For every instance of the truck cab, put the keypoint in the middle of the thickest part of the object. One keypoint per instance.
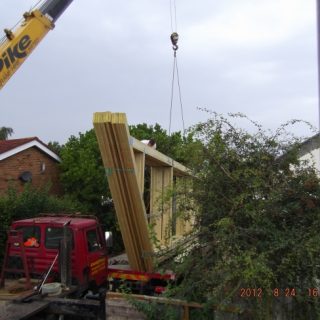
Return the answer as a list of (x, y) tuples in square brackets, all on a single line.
[(42, 238)]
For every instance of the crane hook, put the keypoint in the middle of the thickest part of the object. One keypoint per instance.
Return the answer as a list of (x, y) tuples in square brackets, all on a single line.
[(174, 40)]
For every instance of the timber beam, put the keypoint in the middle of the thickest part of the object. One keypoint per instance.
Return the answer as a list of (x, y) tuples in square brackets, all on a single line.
[(154, 158)]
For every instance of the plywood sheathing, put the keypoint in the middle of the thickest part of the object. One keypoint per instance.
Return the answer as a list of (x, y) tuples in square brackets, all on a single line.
[(119, 161)]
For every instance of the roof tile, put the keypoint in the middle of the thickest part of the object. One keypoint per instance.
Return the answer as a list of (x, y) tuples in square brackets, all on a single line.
[(7, 145)]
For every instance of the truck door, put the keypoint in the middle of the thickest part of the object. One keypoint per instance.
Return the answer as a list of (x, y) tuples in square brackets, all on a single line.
[(97, 260)]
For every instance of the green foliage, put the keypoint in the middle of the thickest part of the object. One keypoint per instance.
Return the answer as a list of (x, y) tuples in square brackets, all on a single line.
[(5, 133), (165, 143), (29, 203), (32, 201), (175, 146), (258, 222), (83, 175), (156, 311), (55, 146), (84, 179)]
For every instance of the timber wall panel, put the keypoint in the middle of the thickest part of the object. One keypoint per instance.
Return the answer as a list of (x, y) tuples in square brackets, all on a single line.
[(125, 159), (118, 158)]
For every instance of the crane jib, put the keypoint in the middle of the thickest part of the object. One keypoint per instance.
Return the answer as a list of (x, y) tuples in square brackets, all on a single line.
[(17, 51), (21, 41), (54, 8)]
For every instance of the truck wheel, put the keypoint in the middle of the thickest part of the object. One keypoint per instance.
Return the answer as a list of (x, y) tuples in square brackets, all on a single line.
[(86, 277), (90, 284), (93, 286)]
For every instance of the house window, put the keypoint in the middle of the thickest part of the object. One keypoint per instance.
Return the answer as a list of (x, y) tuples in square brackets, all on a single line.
[(43, 167)]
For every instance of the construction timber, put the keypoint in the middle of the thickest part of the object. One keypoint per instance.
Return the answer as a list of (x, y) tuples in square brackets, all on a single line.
[(125, 160)]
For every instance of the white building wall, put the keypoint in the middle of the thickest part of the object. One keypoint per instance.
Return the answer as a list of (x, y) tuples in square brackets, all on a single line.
[(313, 157)]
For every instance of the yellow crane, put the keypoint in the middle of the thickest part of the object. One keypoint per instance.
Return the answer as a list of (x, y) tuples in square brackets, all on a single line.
[(18, 44)]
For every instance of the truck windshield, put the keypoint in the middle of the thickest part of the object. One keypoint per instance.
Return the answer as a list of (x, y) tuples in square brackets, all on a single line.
[(54, 235)]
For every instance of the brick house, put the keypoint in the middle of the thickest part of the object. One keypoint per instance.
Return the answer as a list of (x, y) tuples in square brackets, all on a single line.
[(28, 160)]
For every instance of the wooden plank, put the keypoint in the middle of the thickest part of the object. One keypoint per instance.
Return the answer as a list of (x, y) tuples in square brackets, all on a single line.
[(13, 311), (133, 196), (80, 308), (140, 161), (122, 309), (233, 309), (156, 212), (109, 156), (167, 213), (154, 158), (118, 158)]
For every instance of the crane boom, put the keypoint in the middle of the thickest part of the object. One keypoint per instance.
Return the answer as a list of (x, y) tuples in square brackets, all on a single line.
[(54, 8), (19, 43)]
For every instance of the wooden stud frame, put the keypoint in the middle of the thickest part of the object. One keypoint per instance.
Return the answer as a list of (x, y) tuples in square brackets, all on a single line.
[(124, 159)]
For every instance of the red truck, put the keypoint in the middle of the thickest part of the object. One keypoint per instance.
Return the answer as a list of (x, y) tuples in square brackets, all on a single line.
[(88, 255)]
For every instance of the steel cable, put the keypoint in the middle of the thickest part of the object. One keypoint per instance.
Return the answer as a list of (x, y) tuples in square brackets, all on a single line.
[(173, 17)]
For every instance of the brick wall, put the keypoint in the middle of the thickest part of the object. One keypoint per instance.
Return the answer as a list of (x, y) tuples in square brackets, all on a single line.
[(32, 160)]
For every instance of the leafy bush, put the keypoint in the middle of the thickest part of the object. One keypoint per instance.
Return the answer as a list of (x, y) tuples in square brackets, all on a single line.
[(29, 203), (258, 223)]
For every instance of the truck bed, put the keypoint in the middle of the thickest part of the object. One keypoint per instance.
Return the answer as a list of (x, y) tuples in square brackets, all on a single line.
[(15, 289), (119, 262)]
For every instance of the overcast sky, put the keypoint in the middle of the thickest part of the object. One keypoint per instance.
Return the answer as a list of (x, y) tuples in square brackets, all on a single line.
[(252, 56)]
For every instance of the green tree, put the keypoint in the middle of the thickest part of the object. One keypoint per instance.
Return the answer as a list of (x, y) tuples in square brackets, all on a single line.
[(55, 146), (29, 203), (172, 146), (258, 221), (83, 175), (84, 179), (5, 133)]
